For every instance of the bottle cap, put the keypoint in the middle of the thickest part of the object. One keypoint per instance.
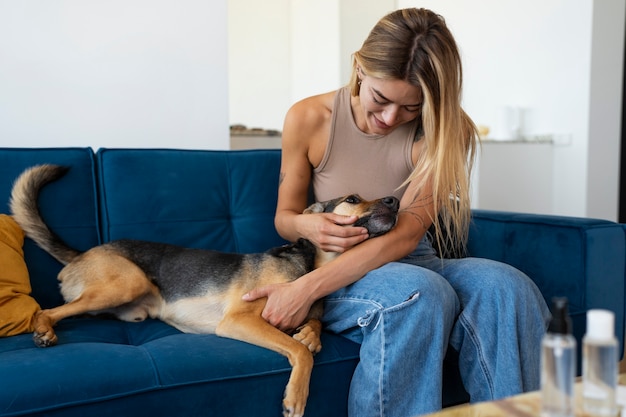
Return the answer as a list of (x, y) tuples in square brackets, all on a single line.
[(600, 324), (560, 322)]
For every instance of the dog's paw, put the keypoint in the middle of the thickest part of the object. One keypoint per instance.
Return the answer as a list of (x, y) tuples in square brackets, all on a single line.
[(45, 339), (293, 408), (290, 413), (309, 338), (44, 335)]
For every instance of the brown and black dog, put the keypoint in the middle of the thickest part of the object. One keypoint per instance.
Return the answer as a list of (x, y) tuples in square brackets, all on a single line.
[(194, 290)]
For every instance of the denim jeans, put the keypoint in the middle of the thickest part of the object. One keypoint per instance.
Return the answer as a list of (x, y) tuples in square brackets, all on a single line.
[(406, 314)]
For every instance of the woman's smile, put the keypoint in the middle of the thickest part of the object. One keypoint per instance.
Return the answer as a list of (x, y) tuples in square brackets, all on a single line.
[(380, 124)]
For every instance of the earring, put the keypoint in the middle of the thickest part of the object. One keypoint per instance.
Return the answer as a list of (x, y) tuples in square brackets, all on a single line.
[(359, 83)]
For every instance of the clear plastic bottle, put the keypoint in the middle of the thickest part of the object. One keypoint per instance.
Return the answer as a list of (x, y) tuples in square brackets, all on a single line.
[(600, 364), (558, 363)]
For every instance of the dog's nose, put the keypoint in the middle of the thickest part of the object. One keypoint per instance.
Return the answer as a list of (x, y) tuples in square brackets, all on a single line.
[(391, 202)]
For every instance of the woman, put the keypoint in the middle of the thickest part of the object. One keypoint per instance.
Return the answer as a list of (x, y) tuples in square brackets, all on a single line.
[(398, 128)]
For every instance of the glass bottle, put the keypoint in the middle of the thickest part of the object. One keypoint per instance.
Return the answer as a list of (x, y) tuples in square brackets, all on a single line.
[(600, 364), (558, 363)]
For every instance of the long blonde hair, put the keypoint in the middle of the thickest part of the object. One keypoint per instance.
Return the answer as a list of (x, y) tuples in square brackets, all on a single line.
[(416, 46)]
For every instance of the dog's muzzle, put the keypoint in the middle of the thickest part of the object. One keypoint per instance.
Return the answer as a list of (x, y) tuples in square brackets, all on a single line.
[(382, 218)]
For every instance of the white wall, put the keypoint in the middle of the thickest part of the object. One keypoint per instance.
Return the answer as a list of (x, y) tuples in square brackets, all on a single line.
[(116, 73), (281, 51), (314, 47), (357, 18), (259, 58)]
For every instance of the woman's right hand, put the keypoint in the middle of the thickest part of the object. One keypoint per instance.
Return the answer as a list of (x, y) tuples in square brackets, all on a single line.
[(330, 232)]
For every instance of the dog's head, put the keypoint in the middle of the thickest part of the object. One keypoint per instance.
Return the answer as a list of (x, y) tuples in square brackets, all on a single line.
[(377, 216)]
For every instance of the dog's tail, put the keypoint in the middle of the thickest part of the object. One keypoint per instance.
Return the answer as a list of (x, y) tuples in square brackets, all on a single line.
[(26, 213)]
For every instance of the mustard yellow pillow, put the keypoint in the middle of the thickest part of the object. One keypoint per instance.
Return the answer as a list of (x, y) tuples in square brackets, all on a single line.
[(17, 307)]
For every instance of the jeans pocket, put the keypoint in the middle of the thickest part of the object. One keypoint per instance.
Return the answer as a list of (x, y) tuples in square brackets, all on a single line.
[(374, 315)]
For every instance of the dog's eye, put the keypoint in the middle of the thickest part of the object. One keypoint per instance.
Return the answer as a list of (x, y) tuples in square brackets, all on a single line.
[(353, 199)]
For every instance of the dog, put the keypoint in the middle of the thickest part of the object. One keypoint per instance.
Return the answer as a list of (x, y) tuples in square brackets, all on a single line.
[(194, 290)]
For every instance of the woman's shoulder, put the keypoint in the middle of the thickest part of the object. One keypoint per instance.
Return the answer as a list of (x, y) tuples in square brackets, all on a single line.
[(311, 112), (307, 127)]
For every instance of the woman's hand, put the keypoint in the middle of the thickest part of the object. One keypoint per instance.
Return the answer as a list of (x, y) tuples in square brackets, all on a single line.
[(287, 307), (330, 232)]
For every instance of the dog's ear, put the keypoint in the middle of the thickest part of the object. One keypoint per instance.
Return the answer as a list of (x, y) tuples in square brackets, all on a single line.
[(315, 208)]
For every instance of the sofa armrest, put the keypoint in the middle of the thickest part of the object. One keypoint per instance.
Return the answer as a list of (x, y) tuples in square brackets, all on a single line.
[(581, 259)]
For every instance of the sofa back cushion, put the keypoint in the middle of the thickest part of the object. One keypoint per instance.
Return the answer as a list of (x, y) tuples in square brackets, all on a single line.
[(221, 200), (68, 206)]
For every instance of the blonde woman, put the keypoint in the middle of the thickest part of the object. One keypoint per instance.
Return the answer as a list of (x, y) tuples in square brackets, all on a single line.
[(398, 129)]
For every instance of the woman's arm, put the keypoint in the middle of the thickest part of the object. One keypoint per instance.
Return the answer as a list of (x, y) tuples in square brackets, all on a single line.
[(305, 135), (288, 304)]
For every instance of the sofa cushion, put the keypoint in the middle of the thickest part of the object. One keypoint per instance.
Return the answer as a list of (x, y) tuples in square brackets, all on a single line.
[(67, 205), (17, 307), (151, 368), (221, 200)]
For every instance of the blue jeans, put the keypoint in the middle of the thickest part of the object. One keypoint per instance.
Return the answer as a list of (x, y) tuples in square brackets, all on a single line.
[(405, 314)]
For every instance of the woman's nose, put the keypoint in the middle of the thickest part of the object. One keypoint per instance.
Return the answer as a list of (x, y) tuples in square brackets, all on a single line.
[(390, 115)]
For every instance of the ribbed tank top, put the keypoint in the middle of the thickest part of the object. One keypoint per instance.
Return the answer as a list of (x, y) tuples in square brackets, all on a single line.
[(370, 165)]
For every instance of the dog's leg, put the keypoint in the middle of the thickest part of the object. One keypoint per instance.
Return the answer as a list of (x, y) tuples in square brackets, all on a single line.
[(91, 284), (45, 320), (44, 335), (94, 298), (253, 329)]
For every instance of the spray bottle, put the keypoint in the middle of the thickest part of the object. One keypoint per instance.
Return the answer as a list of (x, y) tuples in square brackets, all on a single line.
[(558, 363)]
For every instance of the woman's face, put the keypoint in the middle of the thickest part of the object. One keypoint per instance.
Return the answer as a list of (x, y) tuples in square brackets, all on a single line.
[(386, 104)]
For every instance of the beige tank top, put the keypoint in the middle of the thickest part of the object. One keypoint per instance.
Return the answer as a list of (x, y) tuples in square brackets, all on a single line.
[(354, 162)]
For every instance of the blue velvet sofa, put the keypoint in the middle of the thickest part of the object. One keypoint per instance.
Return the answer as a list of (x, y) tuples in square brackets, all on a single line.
[(225, 200)]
